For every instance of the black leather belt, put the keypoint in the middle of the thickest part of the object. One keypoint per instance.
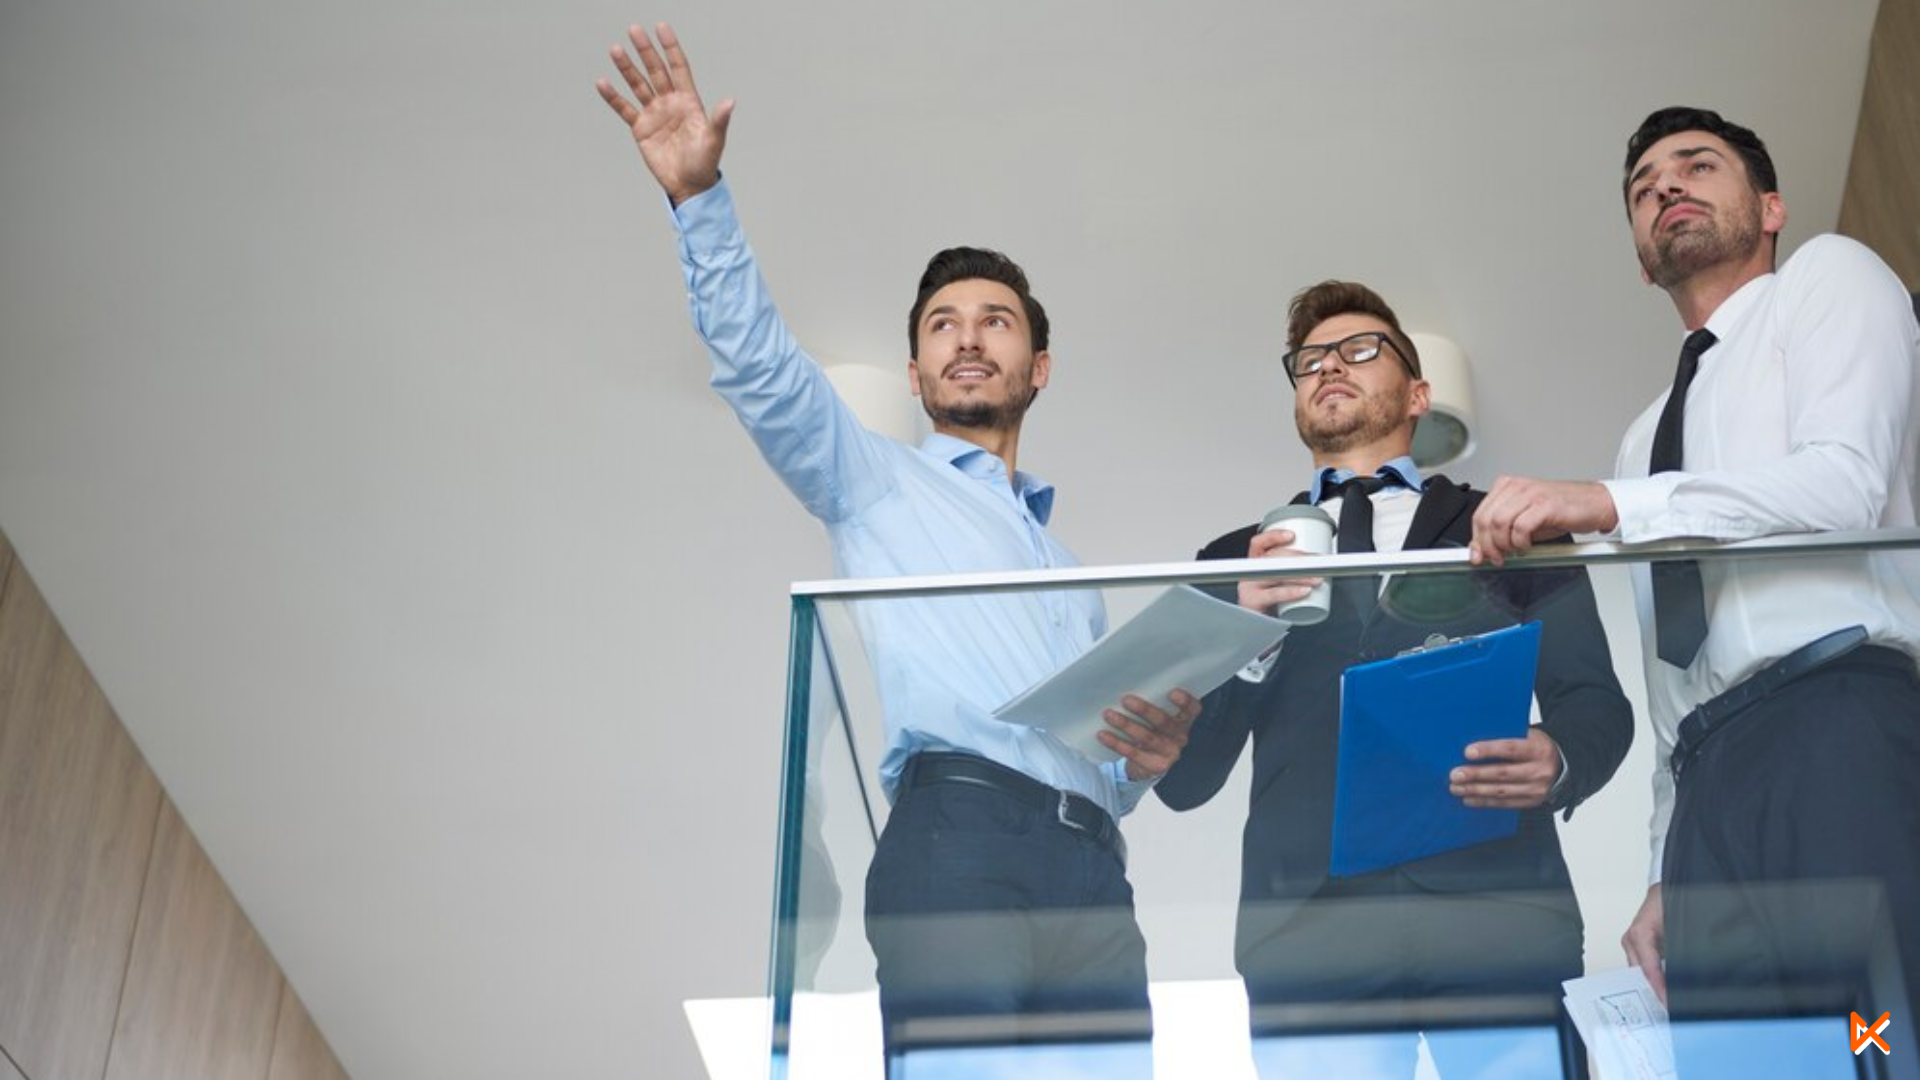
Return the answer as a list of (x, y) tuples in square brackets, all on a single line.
[(1700, 724), (1076, 812)]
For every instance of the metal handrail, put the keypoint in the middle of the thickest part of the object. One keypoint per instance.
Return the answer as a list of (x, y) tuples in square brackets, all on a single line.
[(1439, 560)]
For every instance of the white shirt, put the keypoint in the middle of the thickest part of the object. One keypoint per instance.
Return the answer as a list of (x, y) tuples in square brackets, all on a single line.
[(1804, 418)]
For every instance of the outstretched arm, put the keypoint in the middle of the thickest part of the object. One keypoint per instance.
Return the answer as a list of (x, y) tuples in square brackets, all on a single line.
[(806, 434), (678, 139)]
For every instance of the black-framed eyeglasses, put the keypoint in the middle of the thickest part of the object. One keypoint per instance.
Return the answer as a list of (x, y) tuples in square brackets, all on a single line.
[(1360, 348)]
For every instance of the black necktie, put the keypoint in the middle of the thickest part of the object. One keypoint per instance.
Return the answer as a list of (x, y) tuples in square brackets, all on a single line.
[(1356, 594), (1355, 531), (1679, 603)]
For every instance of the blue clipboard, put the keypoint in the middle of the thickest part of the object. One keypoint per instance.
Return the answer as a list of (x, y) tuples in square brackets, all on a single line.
[(1403, 725)]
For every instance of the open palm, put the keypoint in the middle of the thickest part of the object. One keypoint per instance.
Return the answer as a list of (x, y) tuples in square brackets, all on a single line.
[(678, 140)]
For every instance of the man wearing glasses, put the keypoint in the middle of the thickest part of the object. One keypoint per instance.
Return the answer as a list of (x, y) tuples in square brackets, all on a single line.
[(1494, 919), (1783, 693)]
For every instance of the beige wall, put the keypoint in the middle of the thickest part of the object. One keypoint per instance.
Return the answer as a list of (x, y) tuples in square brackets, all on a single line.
[(1881, 207), (122, 954)]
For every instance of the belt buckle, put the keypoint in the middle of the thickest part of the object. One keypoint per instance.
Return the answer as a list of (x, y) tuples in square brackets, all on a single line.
[(1060, 812)]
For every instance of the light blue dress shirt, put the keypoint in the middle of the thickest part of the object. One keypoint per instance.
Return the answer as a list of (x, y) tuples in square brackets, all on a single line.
[(1327, 478), (948, 507)]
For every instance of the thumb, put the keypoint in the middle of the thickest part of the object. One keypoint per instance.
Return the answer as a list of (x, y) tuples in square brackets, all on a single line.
[(722, 116)]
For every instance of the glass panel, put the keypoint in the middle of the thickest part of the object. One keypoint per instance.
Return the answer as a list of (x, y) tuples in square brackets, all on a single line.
[(1303, 895)]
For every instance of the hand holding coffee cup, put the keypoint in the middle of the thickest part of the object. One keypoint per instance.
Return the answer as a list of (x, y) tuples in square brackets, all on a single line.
[(1291, 530)]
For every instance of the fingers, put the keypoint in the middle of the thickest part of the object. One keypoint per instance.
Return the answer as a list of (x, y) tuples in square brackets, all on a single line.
[(679, 72), (1503, 750), (1147, 736), (1495, 533), (1523, 795), (642, 89), (1266, 543), (1644, 941), (1520, 778), (1266, 595), (657, 71), (618, 102)]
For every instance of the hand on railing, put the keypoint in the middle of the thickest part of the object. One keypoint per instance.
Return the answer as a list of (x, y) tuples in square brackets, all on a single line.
[(1518, 511)]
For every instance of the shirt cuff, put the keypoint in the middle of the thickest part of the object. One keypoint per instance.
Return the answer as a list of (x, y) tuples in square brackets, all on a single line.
[(706, 221), (1257, 668), (1128, 792), (1641, 504)]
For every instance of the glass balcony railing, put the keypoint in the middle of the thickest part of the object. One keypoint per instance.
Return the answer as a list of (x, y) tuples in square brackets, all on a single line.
[(1273, 947)]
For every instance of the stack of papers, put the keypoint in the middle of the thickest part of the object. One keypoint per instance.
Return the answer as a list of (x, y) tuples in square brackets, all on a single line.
[(1623, 1023), (1184, 640)]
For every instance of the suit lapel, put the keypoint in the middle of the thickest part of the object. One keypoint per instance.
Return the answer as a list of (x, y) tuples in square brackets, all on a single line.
[(1440, 506)]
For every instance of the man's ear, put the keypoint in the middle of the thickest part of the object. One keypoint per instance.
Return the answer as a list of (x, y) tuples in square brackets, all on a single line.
[(1042, 368), (913, 377), (1773, 213), (1419, 399)]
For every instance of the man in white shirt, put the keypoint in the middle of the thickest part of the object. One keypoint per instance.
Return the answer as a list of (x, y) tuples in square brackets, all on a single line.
[(1783, 692)]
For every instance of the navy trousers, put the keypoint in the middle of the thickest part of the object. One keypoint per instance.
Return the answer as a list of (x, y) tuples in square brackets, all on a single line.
[(1791, 882), (981, 908)]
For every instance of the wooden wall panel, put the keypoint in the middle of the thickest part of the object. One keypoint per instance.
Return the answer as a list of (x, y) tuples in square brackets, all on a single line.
[(77, 811), (202, 991), (1881, 208), (299, 1053)]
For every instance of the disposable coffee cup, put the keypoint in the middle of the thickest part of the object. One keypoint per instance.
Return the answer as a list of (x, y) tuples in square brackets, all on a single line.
[(1312, 530)]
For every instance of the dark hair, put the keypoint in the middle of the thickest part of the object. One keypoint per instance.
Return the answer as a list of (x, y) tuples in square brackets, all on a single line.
[(1318, 303), (1672, 121), (969, 264)]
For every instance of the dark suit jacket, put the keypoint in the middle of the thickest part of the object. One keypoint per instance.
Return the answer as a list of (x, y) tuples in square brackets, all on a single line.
[(1293, 719)]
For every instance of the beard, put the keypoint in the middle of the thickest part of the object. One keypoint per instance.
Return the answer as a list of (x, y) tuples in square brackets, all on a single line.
[(983, 415), (1673, 257), (973, 414), (1377, 417)]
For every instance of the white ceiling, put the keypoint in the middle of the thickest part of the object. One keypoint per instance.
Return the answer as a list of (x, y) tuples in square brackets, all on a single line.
[(351, 421)]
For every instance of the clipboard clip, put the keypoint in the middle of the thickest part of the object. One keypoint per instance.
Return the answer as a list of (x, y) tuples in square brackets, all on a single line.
[(1434, 641)]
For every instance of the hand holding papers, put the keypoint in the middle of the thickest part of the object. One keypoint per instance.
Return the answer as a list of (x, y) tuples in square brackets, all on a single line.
[(1185, 639)]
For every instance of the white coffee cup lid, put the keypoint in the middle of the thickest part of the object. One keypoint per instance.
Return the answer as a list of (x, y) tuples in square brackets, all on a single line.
[(1295, 512)]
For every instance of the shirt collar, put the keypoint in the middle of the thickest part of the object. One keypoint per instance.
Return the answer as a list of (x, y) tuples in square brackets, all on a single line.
[(976, 462), (1731, 310), (1399, 471)]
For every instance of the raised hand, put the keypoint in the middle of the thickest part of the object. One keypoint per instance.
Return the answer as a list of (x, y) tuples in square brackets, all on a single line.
[(678, 140)]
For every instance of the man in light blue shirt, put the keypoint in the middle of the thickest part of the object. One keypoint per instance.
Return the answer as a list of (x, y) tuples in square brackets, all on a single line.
[(999, 885)]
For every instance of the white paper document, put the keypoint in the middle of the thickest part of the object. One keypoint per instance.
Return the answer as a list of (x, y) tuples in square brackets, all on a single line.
[(1185, 639), (1623, 1023)]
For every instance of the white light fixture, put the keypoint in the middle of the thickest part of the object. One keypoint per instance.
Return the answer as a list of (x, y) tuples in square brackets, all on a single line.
[(880, 398), (1445, 434)]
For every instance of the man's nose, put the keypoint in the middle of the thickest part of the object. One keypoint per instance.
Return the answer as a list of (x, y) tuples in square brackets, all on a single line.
[(969, 340)]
